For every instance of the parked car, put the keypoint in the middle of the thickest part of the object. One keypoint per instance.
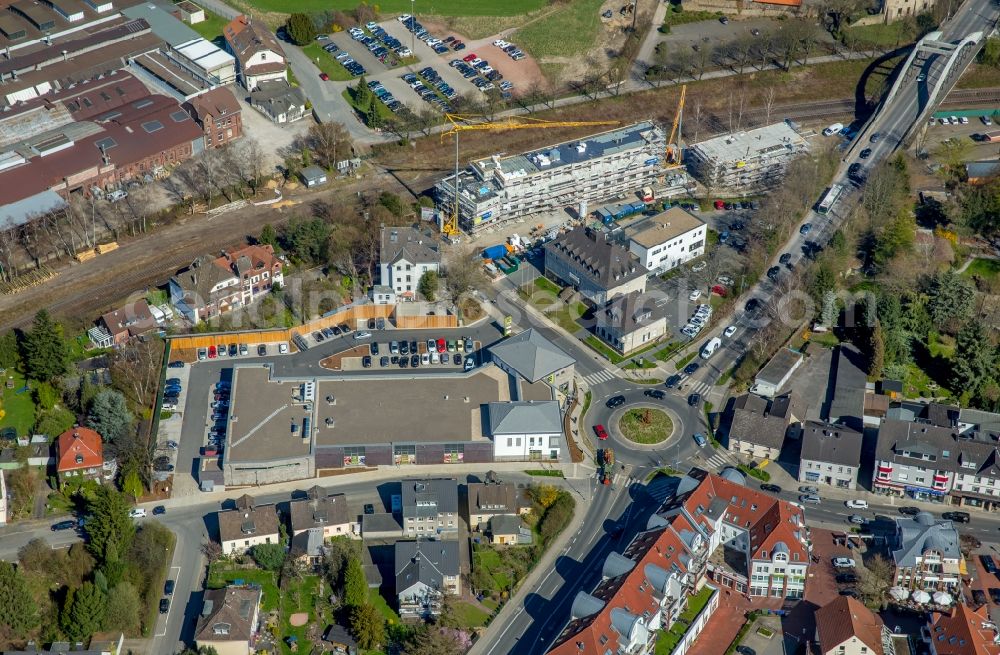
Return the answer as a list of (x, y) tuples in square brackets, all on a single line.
[(137, 513), (909, 511), (809, 498), (179, 364), (988, 564), (995, 595), (857, 519), (843, 562), (808, 490), (164, 605), (771, 488), (958, 517), (846, 578), (978, 597), (63, 525), (366, 361), (857, 504)]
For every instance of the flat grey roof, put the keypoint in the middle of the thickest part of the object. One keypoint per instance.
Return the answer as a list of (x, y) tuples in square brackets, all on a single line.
[(165, 26), (767, 140), (261, 418), (423, 408)]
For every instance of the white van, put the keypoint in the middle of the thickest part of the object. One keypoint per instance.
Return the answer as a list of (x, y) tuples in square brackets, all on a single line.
[(833, 129), (710, 348)]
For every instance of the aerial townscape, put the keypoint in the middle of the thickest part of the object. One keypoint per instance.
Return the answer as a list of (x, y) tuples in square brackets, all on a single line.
[(499, 327)]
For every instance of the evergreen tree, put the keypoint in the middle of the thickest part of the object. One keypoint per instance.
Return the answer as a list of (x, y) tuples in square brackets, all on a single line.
[(17, 607), (83, 612), (373, 118), (300, 29), (45, 353), (367, 626), (876, 351), (973, 361), (109, 415), (124, 609), (268, 235), (362, 94), (109, 528), (132, 485), (355, 584), (829, 317)]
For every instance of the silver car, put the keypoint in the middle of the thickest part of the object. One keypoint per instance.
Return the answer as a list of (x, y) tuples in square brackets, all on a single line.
[(809, 498)]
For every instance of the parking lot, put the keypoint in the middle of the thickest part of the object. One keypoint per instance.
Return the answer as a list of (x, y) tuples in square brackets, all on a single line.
[(442, 354)]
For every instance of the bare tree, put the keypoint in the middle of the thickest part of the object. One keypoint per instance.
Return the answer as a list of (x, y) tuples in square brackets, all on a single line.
[(328, 141), (769, 95), (874, 580), (135, 367)]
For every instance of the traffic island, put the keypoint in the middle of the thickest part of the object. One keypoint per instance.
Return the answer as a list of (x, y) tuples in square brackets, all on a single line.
[(646, 425)]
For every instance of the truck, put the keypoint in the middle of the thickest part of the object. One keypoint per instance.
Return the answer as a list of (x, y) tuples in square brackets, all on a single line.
[(647, 194)]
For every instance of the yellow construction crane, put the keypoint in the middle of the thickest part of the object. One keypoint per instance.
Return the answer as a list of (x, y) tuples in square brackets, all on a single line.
[(673, 159), (464, 122)]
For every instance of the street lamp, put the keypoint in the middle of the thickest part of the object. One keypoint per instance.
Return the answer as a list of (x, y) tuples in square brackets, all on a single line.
[(413, 36)]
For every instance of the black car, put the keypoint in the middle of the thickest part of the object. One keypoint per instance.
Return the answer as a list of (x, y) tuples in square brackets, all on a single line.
[(369, 508), (63, 525), (332, 332), (318, 336), (159, 509), (909, 511), (773, 272), (958, 517), (854, 169), (691, 368), (694, 399), (176, 364), (737, 226), (752, 305), (846, 578), (772, 488), (865, 154), (616, 401), (875, 137), (168, 588), (164, 605), (261, 350), (785, 258), (414, 361), (383, 361), (380, 324), (371, 324), (456, 359), (413, 347), (988, 563), (805, 229), (849, 592), (655, 393), (233, 350), (366, 361), (995, 594), (978, 597), (672, 381), (374, 348)]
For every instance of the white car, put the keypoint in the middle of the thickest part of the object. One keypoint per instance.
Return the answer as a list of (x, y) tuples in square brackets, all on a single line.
[(694, 295), (137, 513), (730, 331), (700, 266), (857, 504), (371, 25), (836, 128), (283, 348), (945, 120), (403, 18), (500, 43), (843, 562), (361, 335), (964, 120)]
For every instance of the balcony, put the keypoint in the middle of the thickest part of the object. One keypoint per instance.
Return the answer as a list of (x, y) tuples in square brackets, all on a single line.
[(667, 641)]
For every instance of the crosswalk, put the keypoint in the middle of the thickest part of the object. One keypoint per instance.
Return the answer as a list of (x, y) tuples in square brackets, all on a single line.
[(698, 387), (603, 375), (719, 461)]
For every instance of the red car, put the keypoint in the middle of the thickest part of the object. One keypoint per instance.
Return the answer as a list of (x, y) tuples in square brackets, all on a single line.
[(719, 290), (601, 433), (468, 58), (211, 352), (324, 77), (719, 205), (441, 345)]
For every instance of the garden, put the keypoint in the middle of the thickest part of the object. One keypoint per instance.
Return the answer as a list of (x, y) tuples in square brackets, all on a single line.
[(645, 425), (667, 640), (543, 295)]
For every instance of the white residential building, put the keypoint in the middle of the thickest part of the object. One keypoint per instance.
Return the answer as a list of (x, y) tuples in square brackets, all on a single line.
[(667, 240), (526, 429), (406, 254)]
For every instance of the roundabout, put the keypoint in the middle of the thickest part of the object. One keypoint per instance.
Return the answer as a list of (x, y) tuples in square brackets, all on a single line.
[(667, 446), (645, 425)]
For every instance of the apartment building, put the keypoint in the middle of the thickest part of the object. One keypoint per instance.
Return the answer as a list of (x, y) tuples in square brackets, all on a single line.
[(759, 426), (831, 455), (500, 189), (430, 507), (594, 264), (211, 286), (927, 554), (259, 57), (745, 162), (667, 240), (405, 255), (631, 322)]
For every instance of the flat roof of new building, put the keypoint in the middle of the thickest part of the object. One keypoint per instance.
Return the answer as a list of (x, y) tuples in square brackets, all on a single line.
[(261, 417), (426, 408), (206, 54), (770, 139), (571, 152), (164, 25), (663, 227)]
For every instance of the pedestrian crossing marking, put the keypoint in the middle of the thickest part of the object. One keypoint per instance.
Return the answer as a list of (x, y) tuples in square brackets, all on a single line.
[(600, 376)]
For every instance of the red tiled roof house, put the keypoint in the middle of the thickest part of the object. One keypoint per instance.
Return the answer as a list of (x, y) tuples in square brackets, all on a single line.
[(79, 455)]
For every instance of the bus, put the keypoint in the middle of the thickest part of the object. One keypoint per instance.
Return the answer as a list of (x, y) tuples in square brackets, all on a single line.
[(830, 199)]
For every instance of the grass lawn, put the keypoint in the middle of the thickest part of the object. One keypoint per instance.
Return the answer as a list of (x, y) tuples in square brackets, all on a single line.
[(382, 110), (211, 28), (544, 296), (490, 603), (219, 576), (379, 602), (918, 384), (568, 31), (326, 63), (546, 473), (298, 597), (603, 349), (668, 639), (881, 35), (634, 427), (430, 7), (469, 616), (685, 360), (675, 17), (979, 76), (984, 268), (19, 408), (941, 345), (490, 560), (826, 339)]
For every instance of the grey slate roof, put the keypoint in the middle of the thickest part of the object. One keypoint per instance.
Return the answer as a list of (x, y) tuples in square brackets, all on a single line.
[(848, 403), (834, 444), (319, 512), (277, 97), (425, 561), (596, 257), (632, 311), (227, 613), (921, 533), (945, 450), (525, 417), (492, 498), (308, 543), (980, 419), (165, 26), (531, 355), (428, 498), (408, 244), (753, 423), (505, 524)]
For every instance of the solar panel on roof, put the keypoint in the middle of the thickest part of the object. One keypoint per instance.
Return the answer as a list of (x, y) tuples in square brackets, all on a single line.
[(152, 126)]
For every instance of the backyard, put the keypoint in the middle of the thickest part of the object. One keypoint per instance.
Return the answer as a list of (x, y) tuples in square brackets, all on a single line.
[(222, 573), (211, 30), (543, 295), (986, 269), (18, 404)]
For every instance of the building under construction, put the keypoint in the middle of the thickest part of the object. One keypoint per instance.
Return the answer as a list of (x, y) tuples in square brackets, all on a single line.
[(499, 189), (745, 162)]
